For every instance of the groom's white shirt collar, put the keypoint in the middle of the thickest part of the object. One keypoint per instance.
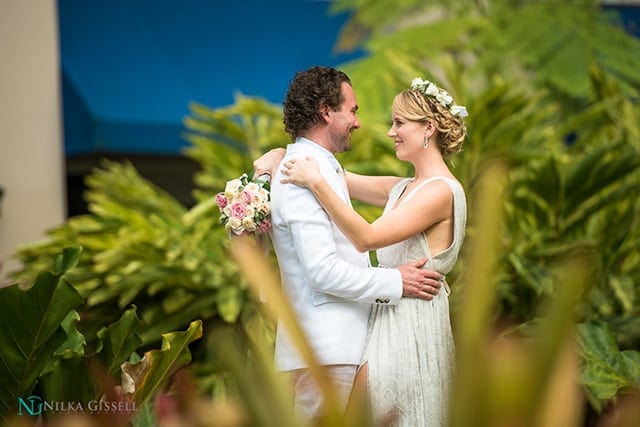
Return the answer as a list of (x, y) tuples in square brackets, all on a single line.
[(332, 159)]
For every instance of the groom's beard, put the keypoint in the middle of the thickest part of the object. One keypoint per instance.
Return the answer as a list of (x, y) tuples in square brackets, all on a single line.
[(342, 143)]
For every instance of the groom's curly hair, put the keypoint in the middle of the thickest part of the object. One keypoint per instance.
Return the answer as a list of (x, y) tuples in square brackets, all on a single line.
[(308, 92)]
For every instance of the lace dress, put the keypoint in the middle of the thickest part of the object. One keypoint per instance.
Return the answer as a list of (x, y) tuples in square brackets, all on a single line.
[(410, 350)]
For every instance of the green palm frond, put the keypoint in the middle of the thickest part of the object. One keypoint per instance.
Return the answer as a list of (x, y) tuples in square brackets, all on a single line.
[(226, 140)]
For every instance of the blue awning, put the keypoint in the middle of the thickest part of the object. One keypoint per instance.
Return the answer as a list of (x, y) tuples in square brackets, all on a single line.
[(130, 68)]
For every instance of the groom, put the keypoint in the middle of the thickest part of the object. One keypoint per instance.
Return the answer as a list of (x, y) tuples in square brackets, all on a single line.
[(330, 284)]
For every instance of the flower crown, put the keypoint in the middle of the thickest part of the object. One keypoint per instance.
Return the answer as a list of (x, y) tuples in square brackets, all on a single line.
[(442, 96)]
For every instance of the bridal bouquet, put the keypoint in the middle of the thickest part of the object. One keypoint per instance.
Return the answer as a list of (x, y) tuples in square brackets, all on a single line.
[(244, 206)]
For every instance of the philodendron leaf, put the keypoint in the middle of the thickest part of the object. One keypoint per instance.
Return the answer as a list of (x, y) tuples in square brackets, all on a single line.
[(30, 333), (145, 377), (70, 381), (75, 342), (118, 340), (605, 369)]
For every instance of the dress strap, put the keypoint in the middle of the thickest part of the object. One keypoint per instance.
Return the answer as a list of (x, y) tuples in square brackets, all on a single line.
[(426, 181)]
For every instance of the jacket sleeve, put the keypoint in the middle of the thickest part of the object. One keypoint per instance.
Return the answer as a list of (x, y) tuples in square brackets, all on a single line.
[(324, 270)]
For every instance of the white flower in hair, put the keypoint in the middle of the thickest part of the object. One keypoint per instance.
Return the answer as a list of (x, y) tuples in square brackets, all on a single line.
[(459, 110), (443, 97), (417, 82), (432, 90)]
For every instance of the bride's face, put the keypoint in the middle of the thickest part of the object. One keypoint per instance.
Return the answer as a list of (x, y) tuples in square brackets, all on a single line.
[(408, 136)]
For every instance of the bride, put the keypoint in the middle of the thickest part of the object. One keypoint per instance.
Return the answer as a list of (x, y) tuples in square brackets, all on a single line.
[(409, 361)]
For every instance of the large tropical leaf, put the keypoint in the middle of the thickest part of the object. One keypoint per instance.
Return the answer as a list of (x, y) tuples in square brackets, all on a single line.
[(75, 344), (70, 380), (31, 331), (148, 375), (606, 369), (119, 340), (143, 248), (80, 377)]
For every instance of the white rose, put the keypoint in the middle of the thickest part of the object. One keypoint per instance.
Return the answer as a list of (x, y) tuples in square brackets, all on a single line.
[(234, 225), (248, 224), (252, 187), (260, 197), (264, 208), (232, 186), (231, 189)]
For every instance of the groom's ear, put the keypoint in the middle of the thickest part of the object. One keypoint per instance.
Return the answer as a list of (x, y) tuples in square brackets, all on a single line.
[(324, 112)]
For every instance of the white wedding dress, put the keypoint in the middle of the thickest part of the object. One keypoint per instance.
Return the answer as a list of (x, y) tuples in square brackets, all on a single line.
[(410, 349)]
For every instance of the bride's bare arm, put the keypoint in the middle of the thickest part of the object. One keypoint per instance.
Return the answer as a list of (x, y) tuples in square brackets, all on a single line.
[(268, 162), (373, 190), (410, 218)]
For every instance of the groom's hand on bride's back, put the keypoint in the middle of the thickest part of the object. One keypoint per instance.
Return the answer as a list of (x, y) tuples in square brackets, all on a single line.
[(418, 283)]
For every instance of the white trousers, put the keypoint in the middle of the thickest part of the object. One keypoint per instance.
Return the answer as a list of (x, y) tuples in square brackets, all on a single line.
[(308, 396)]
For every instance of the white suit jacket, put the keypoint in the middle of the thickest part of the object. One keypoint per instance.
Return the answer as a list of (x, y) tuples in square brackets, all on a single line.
[(329, 283)]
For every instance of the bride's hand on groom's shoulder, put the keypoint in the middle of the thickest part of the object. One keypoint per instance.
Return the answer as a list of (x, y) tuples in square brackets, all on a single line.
[(301, 171), (419, 283)]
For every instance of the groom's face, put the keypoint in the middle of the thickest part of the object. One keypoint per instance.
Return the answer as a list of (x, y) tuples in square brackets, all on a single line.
[(343, 121)]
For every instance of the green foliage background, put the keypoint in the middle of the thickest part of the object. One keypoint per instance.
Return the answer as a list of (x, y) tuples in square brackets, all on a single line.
[(552, 92)]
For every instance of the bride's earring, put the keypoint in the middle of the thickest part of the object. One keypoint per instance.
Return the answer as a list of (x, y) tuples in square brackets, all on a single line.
[(426, 142)]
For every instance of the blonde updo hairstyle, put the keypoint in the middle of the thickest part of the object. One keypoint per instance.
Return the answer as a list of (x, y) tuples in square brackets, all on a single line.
[(413, 105)]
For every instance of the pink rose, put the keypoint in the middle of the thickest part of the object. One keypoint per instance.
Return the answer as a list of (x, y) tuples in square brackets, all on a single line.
[(246, 197), (238, 210), (221, 200), (264, 226)]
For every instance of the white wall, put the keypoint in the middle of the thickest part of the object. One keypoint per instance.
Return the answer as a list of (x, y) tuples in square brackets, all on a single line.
[(31, 150)]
